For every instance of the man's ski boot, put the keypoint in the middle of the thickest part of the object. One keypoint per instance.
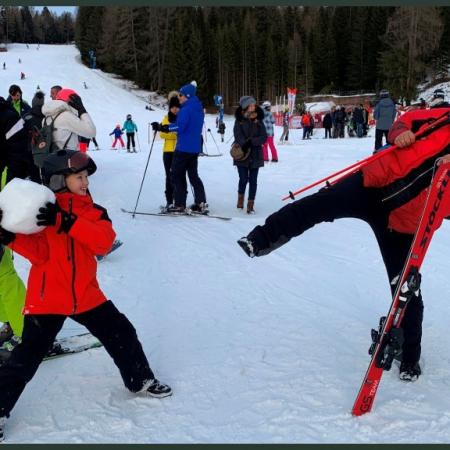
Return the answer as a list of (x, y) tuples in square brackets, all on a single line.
[(247, 245), (409, 371)]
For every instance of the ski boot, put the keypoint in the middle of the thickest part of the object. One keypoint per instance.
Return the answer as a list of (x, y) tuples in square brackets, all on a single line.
[(409, 371), (158, 389)]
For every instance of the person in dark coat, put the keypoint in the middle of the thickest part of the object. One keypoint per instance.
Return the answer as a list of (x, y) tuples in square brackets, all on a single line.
[(16, 101), (340, 118), (14, 144), (250, 133), (358, 118), (384, 113), (33, 122), (327, 124)]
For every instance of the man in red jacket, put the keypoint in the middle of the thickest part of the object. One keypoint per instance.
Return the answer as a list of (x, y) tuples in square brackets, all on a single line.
[(63, 283), (388, 194)]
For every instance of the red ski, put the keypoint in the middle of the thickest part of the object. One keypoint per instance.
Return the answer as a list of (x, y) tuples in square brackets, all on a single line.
[(387, 342)]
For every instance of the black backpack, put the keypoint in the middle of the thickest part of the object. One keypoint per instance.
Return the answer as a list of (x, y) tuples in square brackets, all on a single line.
[(42, 140)]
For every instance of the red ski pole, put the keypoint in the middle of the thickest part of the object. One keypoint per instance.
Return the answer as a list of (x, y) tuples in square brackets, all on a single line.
[(349, 170)]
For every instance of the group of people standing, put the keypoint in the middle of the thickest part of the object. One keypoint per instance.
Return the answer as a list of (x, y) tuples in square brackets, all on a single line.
[(253, 131)]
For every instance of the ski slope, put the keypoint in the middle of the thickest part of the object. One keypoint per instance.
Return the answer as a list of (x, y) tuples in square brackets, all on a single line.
[(264, 350)]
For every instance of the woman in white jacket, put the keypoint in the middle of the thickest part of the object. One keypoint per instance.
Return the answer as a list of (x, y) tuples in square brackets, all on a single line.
[(70, 120)]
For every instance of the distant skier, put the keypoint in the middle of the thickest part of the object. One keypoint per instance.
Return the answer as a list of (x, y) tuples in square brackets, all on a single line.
[(130, 128), (117, 132), (85, 85), (221, 129), (4, 66), (22, 76)]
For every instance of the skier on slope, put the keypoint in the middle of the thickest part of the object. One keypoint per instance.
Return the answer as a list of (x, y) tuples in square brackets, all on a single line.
[(117, 132), (130, 128), (76, 230), (389, 195)]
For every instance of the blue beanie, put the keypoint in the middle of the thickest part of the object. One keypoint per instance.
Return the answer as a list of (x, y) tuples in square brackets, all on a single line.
[(188, 90)]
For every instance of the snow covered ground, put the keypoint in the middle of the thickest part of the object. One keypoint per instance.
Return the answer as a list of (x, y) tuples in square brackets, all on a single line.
[(264, 350)]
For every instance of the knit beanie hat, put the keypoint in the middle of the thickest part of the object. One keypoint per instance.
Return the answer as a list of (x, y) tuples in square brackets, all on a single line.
[(174, 101), (38, 99), (246, 101), (188, 90)]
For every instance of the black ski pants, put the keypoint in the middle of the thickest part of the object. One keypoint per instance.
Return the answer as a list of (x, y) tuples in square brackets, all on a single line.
[(379, 138), (186, 163), (105, 322), (130, 140), (349, 199), (167, 160)]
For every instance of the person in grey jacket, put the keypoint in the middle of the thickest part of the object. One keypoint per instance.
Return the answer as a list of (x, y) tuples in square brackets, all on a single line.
[(250, 133), (384, 113)]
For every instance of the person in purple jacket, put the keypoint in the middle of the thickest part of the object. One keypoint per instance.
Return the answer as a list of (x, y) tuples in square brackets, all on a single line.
[(117, 132), (188, 126)]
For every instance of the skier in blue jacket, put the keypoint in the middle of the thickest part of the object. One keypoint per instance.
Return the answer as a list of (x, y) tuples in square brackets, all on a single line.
[(130, 128), (188, 126)]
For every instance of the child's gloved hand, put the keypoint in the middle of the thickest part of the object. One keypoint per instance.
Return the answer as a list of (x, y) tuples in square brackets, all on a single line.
[(47, 215)]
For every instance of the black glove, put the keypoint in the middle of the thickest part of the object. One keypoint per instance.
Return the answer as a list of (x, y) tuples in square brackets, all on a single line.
[(48, 216), (6, 237), (76, 103), (156, 126)]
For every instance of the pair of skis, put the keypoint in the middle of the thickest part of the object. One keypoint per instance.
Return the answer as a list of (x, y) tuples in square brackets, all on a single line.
[(186, 213), (388, 340)]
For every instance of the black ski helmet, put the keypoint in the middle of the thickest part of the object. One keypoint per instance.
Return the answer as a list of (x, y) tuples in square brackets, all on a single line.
[(128, 116), (58, 165), (384, 93)]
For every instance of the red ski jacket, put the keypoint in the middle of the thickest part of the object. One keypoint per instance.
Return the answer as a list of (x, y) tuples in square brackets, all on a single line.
[(405, 164), (62, 278)]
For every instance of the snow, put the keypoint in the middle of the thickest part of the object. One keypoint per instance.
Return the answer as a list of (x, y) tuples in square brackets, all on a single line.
[(263, 350), (20, 201), (319, 107)]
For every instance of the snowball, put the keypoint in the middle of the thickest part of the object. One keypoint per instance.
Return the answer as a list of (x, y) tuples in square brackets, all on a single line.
[(20, 201)]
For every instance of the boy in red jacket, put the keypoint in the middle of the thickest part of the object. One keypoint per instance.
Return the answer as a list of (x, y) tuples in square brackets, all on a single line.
[(62, 283)]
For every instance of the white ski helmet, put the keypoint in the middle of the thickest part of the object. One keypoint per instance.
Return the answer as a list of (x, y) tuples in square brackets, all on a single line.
[(266, 104)]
